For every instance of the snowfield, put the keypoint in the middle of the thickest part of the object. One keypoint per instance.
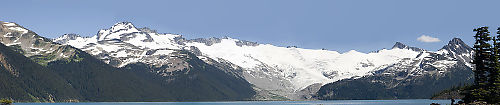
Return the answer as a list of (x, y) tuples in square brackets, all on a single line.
[(282, 70), (304, 66)]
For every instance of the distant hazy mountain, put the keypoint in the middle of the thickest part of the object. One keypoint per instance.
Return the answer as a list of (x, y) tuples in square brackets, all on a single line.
[(276, 72)]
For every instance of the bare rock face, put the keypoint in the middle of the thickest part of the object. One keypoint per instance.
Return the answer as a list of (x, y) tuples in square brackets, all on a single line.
[(40, 49), (7, 66), (403, 46), (67, 37)]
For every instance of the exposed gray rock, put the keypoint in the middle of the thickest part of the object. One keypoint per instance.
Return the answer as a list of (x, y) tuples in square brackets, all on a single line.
[(207, 41), (246, 43), (308, 92), (40, 49), (403, 46), (67, 37), (147, 30), (213, 40)]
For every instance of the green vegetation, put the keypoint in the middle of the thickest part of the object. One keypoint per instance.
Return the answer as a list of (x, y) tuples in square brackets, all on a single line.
[(47, 77), (34, 82), (17, 48), (197, 83), (49, 57), (452, 93), (33, 98), (43, 59), (74, 58), (6, 102), (486, 87), (82, 77)]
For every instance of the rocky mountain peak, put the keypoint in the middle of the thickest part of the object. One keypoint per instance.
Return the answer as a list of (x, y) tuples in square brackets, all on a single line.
[(458, 46), (207, 41), (66, 37), (12, 27), (9, 24), (122, 26), (31, 44), (117, 31), (148, 30), (400, 45)]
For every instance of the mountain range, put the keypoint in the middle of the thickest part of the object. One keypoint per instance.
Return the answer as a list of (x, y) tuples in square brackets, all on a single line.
[(126, 63), (90, 79)]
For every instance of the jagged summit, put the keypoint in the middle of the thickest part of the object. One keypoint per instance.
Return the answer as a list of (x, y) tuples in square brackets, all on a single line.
[(458, 49), (148, 30), (66, 37), (123, 43), (458, 46), (400, 45), (122, 26), (117, 31)]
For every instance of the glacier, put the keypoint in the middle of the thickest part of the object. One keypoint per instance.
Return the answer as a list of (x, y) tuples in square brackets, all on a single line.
[(286, 71)]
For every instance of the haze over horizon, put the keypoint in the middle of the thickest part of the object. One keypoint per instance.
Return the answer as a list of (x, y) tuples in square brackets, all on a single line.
[(335, 25)]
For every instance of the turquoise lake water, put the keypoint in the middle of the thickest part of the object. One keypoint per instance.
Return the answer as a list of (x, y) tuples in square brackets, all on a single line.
[(332, 102)]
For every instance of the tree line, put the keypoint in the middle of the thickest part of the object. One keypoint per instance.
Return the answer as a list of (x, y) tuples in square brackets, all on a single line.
[(486, 87)]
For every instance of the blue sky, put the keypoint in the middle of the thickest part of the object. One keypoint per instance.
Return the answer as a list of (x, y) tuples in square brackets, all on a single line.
[(340, 25)]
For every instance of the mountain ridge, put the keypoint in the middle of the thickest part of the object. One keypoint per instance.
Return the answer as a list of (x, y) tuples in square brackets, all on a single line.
[(95, 80), (260, 64), (410, 79), (265, 71), (403, 46)]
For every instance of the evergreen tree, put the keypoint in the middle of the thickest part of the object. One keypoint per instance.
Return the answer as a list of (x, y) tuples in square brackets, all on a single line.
[(484, 61), (494, 74), (482, 56), (487, 68)]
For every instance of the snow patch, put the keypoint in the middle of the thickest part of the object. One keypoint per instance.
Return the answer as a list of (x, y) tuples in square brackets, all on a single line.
[(24, 31), (163, 52), (9, 24)]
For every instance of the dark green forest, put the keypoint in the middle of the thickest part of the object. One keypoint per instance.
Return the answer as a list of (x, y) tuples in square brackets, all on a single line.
[(82, 77), (419, 88)]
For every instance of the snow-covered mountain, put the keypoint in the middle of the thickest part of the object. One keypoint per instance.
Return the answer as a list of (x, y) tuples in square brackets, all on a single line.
[(427, 62), (124, 44), (285, 71), (66, 73), (418, 77), (297, 68)]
